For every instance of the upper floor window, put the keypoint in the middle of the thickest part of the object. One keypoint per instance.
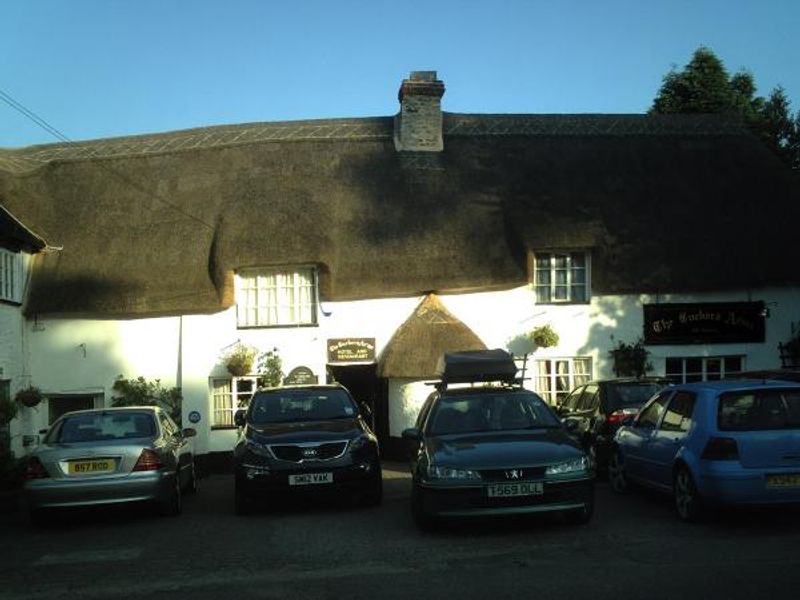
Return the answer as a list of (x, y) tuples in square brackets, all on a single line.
[(561, 277), (276, 297), (10, 272)]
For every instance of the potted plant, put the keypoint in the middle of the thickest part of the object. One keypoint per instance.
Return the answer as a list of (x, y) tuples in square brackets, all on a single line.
[(630, 360), (29, 397), (239, 359), (544, 336)]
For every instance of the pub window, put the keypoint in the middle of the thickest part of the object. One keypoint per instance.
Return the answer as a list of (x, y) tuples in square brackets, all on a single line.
[(703, 368), (556, 377), (561, 277), (229, 395), (10, 267), (276, 297)]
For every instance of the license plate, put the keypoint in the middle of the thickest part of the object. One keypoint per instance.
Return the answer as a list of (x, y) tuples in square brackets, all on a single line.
[(310, 478), (781, 481), (89, 467), (510, 490)]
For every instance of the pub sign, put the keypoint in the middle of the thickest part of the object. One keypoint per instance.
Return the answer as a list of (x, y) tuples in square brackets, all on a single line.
[(351, 350), (704, 323)]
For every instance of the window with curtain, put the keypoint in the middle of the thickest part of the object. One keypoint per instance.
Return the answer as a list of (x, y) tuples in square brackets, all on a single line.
[(561, 277), (276, 297), (229, 395), (556, 377)]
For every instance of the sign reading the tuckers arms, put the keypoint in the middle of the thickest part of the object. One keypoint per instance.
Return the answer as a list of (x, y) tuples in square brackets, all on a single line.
[(349, 350), (719, 322)]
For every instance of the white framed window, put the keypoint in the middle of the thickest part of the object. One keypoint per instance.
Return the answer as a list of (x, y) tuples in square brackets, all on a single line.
[(555, 378), (685, 369), (561, 277), (228, 395), (10, 275), (276, 297)]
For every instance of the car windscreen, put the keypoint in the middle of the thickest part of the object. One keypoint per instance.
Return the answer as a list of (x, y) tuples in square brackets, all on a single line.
[(96, 427), (301, 405), (759, 410), (631, 394), (489, 411)]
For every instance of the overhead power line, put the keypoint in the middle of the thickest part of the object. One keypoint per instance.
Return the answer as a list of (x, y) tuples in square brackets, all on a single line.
[(29, 114)]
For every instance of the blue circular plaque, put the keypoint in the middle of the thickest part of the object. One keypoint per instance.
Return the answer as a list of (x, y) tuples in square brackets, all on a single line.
[(194, 417)]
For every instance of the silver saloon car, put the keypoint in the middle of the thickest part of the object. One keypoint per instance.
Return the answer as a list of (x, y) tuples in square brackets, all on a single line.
[(111, 456)]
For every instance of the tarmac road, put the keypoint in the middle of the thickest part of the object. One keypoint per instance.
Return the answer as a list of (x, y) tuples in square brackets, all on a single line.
[(634, 548)]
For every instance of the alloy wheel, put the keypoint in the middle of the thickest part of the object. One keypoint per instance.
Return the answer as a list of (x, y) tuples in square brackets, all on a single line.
[(688, 503)]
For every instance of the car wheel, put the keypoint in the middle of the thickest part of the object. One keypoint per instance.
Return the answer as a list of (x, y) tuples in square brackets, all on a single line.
[(422, 520), (688, 503), (616, 473), (580, 516), (191, 485), (173, 505), (241, 503)]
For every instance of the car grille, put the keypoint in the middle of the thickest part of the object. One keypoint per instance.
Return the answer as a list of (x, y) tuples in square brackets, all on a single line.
[(523, 474), (253, 459), (295, 453)]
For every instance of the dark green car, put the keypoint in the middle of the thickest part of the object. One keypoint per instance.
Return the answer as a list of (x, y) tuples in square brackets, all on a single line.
[(497, 450)]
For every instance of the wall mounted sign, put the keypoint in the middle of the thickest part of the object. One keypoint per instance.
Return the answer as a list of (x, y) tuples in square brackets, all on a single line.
[(299, 376), (351, 350), (704, 323), (194, 417)]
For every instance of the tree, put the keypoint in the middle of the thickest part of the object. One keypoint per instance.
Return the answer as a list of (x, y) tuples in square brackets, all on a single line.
[(704, 86), (140, 392)]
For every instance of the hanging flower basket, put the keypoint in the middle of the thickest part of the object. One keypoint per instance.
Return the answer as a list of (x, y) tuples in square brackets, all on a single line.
[(239, 360), (29, 397), (544, 336)]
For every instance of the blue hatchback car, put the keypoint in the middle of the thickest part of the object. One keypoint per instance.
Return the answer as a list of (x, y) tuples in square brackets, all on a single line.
[(714, 443)]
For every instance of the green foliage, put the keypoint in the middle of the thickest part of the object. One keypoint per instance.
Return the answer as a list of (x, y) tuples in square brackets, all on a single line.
[(30, 396), (704, 86), (630, 360), (544, 336), (239, 359), (140, 392), (270, 368), (8, 410)]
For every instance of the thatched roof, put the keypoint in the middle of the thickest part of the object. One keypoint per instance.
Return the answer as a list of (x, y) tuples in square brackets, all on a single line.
[(15, 235), (418, 344), (157, 224)]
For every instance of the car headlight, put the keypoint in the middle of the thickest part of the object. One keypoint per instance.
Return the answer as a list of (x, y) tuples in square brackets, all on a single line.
[(437, 472), (575, 465), (256, 448), (359, 442)]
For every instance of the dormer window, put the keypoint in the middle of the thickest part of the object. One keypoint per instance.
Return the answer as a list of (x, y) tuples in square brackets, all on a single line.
[(276, 297), (561, 277)]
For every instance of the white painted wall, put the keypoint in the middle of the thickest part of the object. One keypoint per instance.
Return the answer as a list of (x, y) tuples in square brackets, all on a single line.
[(78, 355)]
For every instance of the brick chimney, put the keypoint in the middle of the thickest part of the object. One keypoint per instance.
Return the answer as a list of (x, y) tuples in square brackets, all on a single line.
[(418, 125)]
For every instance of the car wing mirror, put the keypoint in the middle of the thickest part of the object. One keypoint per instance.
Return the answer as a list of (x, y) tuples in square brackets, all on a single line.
[(571, 425), (412, 434), (240, 418)]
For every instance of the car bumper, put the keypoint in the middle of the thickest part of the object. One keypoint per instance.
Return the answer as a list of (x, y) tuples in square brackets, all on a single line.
[(732, 484), (474, 501), (135, 487), (260, 481)]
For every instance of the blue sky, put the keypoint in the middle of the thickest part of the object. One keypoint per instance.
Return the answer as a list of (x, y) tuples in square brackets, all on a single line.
[(103, 68)]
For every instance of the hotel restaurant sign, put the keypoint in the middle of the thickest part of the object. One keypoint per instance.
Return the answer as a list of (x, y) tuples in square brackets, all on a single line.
[(717, 323), (351, 350)]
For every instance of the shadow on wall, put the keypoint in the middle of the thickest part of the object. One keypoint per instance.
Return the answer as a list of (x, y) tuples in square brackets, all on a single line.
[(612, 322)]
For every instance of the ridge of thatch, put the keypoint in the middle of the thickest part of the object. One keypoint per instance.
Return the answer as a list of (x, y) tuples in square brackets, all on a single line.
[(418, 344)]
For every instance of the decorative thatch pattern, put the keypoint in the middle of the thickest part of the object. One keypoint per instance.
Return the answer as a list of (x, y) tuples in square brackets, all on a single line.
[(418, 344), (158, 224)]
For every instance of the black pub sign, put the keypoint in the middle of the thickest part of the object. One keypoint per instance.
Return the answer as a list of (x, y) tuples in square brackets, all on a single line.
[(704, 323), (348, 350)]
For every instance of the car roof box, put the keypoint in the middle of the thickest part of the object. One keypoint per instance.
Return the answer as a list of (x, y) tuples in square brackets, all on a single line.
[(476, 365)]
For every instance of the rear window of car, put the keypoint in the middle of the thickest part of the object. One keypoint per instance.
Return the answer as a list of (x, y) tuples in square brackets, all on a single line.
[(472, 413), (98, 427), (754, 410), (285, 406), (630, 394)]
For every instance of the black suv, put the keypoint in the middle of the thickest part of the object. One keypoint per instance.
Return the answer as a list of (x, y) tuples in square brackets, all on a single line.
[(304, 440), (597, 409)]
